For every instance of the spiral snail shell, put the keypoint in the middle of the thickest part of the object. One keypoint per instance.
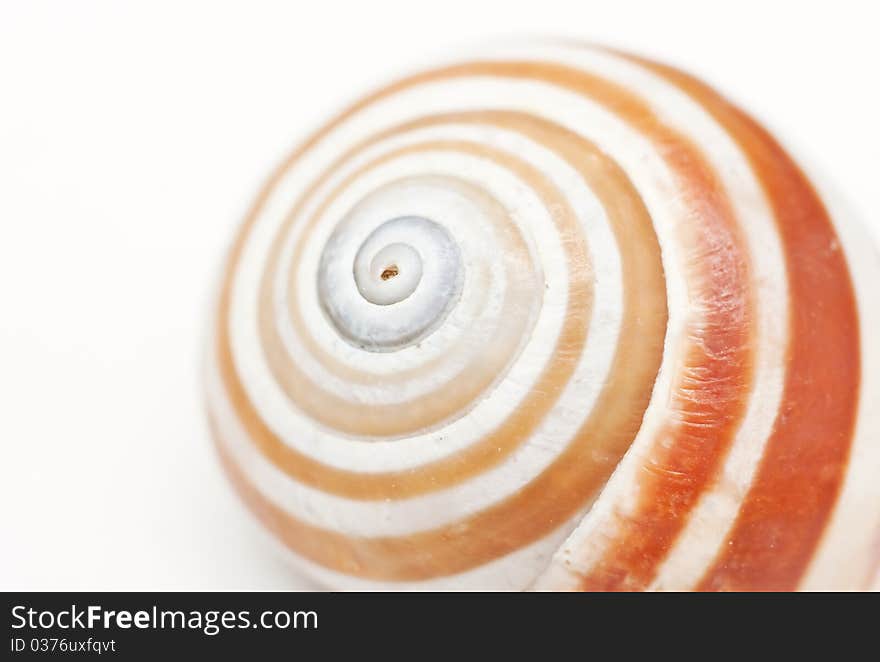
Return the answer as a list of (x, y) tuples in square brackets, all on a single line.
[(556, 318)]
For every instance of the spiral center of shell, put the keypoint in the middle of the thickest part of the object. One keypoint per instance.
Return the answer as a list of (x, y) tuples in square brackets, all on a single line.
[(393, 275), (388, 285)]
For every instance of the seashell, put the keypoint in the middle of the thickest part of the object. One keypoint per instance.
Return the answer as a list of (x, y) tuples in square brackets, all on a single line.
[(553, 317)]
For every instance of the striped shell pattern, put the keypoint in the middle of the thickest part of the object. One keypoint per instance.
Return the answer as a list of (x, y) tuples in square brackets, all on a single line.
[(552, 317)]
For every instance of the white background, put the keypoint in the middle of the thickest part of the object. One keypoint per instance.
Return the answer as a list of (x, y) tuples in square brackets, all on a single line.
[(132, 138)]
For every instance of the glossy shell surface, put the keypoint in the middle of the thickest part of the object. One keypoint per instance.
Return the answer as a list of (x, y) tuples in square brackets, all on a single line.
[(552, 317)]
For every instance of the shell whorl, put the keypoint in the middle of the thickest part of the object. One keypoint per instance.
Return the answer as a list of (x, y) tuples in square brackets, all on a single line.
[(553, 317)]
